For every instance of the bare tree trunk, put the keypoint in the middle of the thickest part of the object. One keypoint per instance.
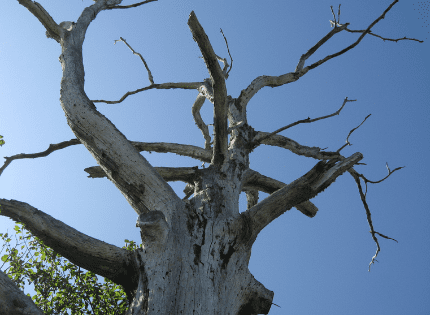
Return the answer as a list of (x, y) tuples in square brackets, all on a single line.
[(196, 252)]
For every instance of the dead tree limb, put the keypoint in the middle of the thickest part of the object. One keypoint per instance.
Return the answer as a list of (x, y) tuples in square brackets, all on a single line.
[(219, 88)]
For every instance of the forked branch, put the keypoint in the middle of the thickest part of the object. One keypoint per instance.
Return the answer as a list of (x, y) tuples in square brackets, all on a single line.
[(357, 177), (367, 31), (263, 81)]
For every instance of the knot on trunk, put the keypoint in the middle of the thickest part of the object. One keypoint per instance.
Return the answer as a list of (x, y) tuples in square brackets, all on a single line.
[(153, 227)]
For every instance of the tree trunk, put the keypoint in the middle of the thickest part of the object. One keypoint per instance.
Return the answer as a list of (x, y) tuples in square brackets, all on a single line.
[(199, 265)]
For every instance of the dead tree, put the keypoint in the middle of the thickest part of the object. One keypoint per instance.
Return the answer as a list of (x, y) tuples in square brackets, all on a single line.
[(196, 250)]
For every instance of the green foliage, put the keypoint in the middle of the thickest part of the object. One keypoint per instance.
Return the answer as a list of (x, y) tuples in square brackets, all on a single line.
[(1, 141), (61, 287)]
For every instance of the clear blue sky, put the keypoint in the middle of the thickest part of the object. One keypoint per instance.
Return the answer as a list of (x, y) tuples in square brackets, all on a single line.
[(314, 266)]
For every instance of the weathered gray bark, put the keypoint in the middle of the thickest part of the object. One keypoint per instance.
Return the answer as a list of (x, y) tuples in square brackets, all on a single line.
[(195, 252), (13, 301)]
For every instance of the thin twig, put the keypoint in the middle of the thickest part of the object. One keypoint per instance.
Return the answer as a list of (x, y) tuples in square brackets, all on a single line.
[(131, 5), (151, 79), (307, 120), (51, 148), (351, 131), (231, 58), (383, 38)]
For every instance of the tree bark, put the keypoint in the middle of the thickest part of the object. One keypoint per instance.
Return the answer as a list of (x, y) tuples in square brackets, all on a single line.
[(13, 301)]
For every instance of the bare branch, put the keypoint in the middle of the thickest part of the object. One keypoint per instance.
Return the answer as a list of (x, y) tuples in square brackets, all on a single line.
[(300, 70), (131, 5), (367, 31), (262, 81), (369, 215), (180, 149), (151, 79), (92, 254), (51, 148), (231, 58), (97, 172), (334, 22), (162, 86), (219, 88), (255, 181), (295, 147), (384, 38), (379, 181), (351, 131), (323, 174), (169, 174), (199, 121), (52, 28), (307, 120), (321, 42)]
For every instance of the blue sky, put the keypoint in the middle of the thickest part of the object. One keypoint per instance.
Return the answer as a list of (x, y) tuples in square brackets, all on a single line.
[(314, 266)]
